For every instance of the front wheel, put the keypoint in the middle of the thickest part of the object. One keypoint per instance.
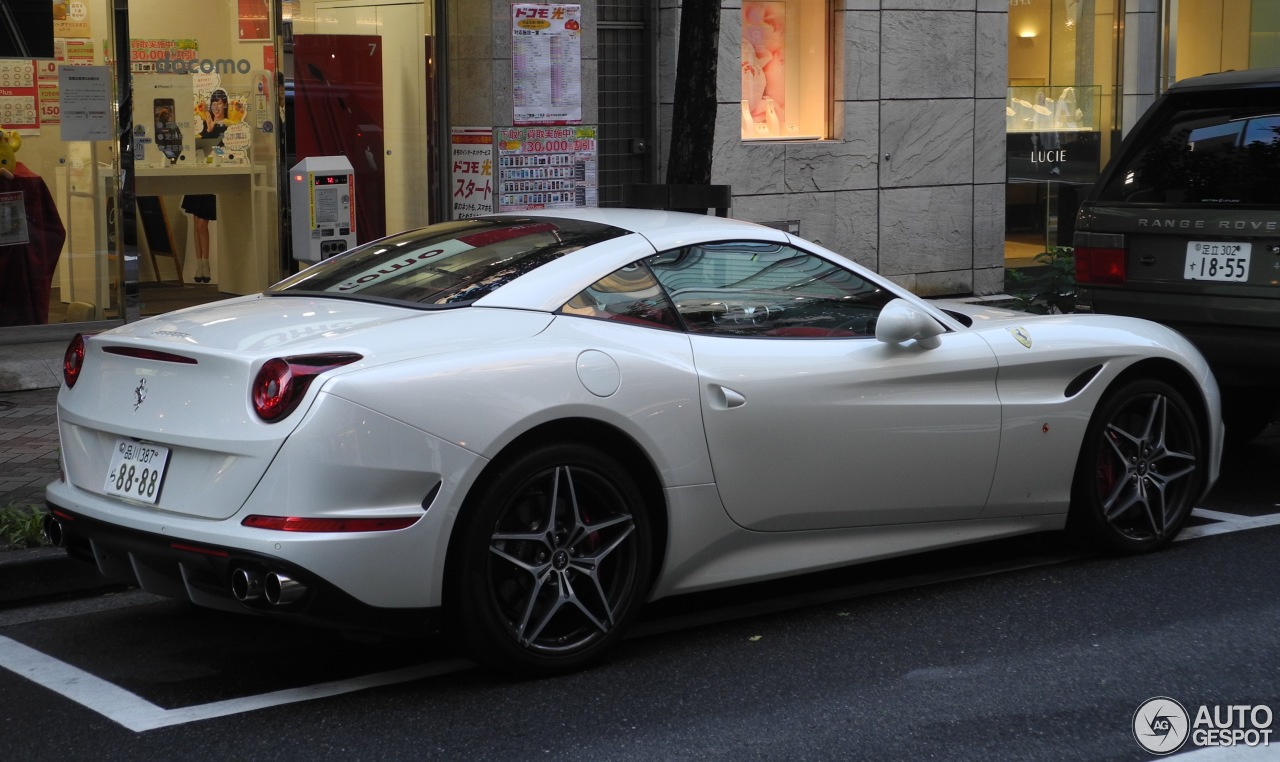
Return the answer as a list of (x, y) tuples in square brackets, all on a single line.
[(1141, 467), (553, 562)]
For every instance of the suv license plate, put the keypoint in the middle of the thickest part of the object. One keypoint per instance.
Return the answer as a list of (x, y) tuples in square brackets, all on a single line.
[(136, 470), (1214, 260)]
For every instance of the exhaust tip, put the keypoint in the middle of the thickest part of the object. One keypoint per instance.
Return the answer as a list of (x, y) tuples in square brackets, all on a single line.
[(53, 531), (281, 590), (246, 585)]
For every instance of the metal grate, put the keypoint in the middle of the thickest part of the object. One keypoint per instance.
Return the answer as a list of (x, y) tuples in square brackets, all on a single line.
[(625, 96)]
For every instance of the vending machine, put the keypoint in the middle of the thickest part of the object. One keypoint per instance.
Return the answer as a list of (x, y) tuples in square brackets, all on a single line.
[(323, 203)]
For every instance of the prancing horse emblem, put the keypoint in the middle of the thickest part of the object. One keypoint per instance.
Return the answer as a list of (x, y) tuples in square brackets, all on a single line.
[(140, 394), (1022, 336)]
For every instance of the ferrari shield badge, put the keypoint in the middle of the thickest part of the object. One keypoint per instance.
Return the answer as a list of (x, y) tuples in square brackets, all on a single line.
[(140, 394), (1021, 335)]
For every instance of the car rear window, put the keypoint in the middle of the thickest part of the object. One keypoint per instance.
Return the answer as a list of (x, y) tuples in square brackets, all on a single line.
[(1210, 148), (446, 265)]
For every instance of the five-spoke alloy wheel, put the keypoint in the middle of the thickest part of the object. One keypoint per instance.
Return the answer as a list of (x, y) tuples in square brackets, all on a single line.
[(1140, 468), (554, 561)]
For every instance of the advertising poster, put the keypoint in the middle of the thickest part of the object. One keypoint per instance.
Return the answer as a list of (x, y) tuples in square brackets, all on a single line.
[(546, 63), (18, 95), (70, 18), (547, 168), (146, 55), (13, 219), (764, 27), (472, 161)]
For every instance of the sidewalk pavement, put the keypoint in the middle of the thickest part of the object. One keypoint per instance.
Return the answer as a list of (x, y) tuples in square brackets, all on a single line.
[(29, 460)]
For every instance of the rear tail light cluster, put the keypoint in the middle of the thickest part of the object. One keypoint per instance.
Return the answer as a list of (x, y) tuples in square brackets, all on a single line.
[(1100, 266), (282, 382), (73, 360)]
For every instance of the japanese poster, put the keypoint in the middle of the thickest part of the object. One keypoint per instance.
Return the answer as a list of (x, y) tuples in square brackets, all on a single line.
[(18, 95), (13, 219), (547, 168), (86, 102), (546, 63), (763, 68), (472, 157)]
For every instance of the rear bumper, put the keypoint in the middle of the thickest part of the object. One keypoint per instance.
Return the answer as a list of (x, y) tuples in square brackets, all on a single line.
[(197, 571)]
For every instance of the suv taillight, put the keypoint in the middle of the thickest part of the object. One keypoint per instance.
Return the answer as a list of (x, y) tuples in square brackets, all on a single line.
[(282, 382), (1097, 266)]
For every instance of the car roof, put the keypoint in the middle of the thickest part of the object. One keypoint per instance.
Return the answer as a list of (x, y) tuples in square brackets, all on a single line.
[(652, 230), (1228, 79)]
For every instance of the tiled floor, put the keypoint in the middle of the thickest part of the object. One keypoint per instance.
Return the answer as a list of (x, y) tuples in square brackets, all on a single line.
[(28, 445)]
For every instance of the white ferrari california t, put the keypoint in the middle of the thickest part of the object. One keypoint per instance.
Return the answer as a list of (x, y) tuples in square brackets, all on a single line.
[(522, 427)]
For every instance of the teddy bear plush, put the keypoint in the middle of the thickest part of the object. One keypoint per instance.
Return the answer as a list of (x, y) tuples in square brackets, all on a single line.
[(10, 142)]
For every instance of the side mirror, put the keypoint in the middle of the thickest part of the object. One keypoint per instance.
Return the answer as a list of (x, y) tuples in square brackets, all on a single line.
[(899, 321)]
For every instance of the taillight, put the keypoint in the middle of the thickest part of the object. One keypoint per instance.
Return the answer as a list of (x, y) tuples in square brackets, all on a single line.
[(281, 383), (1100, 266), (300, 524), (73, 360)]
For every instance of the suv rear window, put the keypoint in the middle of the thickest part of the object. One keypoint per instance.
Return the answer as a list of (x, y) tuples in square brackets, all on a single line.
[(1219, 148)]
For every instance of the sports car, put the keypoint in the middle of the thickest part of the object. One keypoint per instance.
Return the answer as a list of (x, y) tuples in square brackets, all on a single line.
[(521, 428)]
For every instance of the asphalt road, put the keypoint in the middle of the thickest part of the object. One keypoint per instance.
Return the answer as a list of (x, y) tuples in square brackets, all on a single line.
[(1021, 650)]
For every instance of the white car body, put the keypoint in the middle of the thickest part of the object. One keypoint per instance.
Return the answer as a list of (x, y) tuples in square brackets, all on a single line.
[(773, 457)]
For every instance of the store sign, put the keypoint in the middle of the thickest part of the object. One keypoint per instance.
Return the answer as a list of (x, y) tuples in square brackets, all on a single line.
[(546, 168), (472, 165), (546, 63)]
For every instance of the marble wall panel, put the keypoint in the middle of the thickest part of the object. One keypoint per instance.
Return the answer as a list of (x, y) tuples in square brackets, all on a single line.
[(991, 68), (830, 165), (750, 167), (945, 283), (861, 56), (927, 54), (926, 229), (989, 155), (928, 142), (988, 225)]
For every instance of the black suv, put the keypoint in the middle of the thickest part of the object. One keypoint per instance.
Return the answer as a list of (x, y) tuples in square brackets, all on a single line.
[(1183, 228)]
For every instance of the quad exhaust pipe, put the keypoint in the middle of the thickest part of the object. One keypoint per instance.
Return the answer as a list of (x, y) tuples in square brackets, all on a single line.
[(278, 589), (53, 531)]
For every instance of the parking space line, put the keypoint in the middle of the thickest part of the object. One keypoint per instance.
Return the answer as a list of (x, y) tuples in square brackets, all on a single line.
[(138, 714), (1225, 522)]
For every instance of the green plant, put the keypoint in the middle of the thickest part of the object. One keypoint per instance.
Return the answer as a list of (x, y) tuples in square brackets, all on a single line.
[(21, 527), (1047, 288)]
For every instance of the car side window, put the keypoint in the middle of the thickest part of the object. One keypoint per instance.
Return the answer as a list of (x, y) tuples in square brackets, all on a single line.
[(629, 295), (755, 288)]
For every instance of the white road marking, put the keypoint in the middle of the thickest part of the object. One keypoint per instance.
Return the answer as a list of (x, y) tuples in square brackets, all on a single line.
[(1225, 522), (138, 714)]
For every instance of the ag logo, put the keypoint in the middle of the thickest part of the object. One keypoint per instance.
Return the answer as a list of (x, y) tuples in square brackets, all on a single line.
[(1160, 725)]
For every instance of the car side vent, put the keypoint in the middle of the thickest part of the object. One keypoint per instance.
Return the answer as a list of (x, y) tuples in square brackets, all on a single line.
[(1080, 382)]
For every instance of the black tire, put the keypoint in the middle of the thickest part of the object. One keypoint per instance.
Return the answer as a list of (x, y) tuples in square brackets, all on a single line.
[(552, 562), (1140, 469)]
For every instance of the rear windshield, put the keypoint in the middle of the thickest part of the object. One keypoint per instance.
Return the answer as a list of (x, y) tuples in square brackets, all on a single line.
[(1220, 148), (449, 264)]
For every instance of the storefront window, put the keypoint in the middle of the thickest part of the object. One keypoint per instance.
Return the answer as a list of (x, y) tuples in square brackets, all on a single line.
[(785, 69), (1207, 37), (1057, 118), (204, 150), (58, 165)]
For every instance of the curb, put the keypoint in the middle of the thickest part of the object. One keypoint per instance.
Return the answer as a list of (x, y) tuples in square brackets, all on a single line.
[(41, 575)]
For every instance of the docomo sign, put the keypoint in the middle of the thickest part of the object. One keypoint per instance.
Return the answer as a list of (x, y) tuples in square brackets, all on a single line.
[(202, 66), (1233, 725)]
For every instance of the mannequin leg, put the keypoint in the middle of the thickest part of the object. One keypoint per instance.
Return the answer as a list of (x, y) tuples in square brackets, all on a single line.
[(202, 249)]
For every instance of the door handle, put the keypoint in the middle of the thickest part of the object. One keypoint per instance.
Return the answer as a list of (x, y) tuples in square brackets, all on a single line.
[(726, 398)]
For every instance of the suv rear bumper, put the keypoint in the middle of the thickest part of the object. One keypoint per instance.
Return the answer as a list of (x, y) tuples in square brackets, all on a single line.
[(1227, 331)]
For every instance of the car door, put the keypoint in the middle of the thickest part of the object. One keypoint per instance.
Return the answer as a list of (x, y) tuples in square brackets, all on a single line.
[(811, 422)]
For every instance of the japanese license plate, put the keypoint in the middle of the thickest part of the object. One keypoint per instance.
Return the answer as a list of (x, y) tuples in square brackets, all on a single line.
[(1212, 260), (136, 470)]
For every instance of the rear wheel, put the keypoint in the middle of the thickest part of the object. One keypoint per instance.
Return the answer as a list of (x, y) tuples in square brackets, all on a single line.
[(1140, 469), (553, 562)]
